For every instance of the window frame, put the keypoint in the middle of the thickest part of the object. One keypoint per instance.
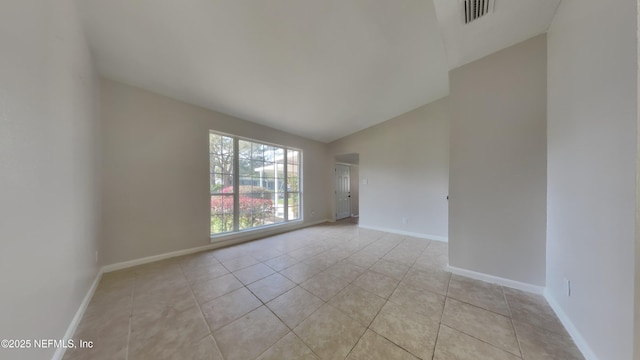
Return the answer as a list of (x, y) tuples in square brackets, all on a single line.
[(236, 185)]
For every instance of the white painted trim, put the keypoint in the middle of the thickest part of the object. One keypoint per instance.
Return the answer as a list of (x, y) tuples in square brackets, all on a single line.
[(245, 236), (346, 163), (262, 231), (59, 354), (535, 289), (318, 222), (581, 343), (149, 259), (218, 244), (408, 233)]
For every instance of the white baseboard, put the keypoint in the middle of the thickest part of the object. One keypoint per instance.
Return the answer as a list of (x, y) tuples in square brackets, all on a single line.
[(497, 280), (59, 354), (149, 259), (317, 222), (408, 233), (261, 232), (580, 342), (216, 245)]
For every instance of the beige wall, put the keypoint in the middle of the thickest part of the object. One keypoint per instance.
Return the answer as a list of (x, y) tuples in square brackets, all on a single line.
[(49, 207), (405, 162), (498, 164), (156, 171), (636, 341), (592, 127)]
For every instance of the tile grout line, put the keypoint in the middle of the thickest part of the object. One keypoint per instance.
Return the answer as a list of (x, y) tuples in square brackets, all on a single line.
[(446, 297), (245, 286), (482, 340), (327, 303), (368, 328), (513, 325), (479, 307), (308, 347), (433, 353), (538, 326), (200, 309), (133, 291), (387, 300), (291, 329), (372, 319), (281, 320), (449, 297)]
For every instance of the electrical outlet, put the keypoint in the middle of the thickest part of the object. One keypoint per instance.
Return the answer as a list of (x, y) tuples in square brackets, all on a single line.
[(567, 287), (96, 258), (313, 213), (405, 220)]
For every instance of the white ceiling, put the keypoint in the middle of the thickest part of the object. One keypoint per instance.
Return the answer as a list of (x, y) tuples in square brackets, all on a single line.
[(321, 69)]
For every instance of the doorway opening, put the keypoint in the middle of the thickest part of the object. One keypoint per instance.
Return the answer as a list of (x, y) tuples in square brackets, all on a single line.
[(346, 187), (343, 192)]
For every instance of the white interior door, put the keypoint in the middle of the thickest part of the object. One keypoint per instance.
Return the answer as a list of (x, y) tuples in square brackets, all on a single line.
[(343, 192)]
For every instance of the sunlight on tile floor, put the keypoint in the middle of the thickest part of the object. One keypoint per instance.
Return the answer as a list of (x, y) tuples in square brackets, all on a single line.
[(332, 291)]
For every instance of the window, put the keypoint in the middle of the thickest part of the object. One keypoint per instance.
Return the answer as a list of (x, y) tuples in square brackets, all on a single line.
[(252, 184)]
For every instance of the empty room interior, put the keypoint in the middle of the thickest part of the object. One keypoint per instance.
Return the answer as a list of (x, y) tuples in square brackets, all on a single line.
[(290, 179)]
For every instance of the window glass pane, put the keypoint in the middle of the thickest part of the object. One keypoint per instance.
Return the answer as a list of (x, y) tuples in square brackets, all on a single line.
[(220, 144), (221, 163), (257, 165), (278, 217), (293, 156), (294, 213), (279, 155), (257, 151), (269, 154), (256, 206), (278, 184), (292, 182), (247, 168), (220, 182), (271, 169), (214, 143), (293, 200), (226, 145), (265, 192), (244, 148), (221, 160), (246, 220), (221, 213)]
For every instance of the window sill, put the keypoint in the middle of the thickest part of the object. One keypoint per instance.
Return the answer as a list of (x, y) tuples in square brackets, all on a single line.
[(250, 234)]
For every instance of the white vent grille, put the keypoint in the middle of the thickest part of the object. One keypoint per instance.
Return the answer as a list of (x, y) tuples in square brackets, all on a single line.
[(475, 9)]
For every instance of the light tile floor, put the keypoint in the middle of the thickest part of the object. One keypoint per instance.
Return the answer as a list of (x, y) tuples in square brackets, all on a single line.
[(333, 291)]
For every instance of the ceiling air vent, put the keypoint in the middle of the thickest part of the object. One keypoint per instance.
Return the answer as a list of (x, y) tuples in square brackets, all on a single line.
[(475, 9)]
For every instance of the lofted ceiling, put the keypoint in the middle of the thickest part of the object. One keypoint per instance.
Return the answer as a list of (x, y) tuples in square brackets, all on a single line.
[(321, 69), (510, 22)]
